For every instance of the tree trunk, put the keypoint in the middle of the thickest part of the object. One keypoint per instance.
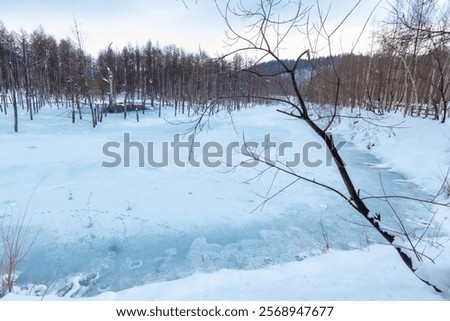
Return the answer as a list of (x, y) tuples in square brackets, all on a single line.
[(16, 116)]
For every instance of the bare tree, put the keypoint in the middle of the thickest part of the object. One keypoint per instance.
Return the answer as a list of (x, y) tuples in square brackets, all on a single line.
[(85, 67), (427, 24), (16, 243), (268, 25)]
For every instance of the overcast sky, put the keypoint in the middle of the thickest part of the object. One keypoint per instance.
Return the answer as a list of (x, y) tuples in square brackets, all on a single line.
[(164, 22)]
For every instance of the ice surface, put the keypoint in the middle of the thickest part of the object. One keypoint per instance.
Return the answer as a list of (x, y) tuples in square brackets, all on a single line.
[(107, 229)]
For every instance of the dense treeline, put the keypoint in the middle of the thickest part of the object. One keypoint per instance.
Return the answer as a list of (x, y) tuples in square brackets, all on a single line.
[(36, 69), (408, 70)]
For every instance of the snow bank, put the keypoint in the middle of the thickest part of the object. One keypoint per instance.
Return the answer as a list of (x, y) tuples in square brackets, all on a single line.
[(415, 147)]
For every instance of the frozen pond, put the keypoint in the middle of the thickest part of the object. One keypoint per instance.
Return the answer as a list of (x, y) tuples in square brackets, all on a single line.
[(102, 229)]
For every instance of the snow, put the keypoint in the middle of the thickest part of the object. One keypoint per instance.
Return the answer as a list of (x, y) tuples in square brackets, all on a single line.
[(415, 147), (419, 149), (192, 233), (369, 274), (312, 279)]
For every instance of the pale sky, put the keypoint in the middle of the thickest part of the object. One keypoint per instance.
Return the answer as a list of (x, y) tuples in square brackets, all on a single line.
[(165, 22)]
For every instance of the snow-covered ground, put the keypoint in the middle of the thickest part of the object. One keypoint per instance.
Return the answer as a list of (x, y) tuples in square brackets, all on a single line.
[(187, 233)]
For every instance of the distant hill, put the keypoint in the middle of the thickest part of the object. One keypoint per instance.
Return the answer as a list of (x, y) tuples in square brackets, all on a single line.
[(273, 67), (304, 69)]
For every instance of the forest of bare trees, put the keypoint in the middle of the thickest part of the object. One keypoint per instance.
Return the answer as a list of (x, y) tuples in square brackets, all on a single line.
[(37, 70), (407, 70)]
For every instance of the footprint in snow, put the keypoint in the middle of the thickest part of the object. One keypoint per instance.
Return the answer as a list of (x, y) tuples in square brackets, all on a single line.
[(135, 264)]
